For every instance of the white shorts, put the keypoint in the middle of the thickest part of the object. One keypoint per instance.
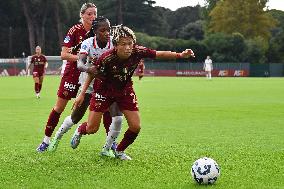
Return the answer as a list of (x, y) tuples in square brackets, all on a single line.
[(208, 69), (82, 79)]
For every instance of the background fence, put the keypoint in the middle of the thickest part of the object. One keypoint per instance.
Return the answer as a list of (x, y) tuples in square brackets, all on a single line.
[(17, 67)]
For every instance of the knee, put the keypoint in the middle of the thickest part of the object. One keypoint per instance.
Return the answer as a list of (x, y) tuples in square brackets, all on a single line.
[(59, 109), (135, 128)]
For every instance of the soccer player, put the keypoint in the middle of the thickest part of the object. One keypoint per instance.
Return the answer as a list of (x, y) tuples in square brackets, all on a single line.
[(208, 67), (69, 85), (114, 72), (90, 51), (141, 68), (39, 66)]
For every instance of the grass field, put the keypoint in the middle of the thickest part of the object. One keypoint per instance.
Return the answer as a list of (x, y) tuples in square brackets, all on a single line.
[(239, 122)]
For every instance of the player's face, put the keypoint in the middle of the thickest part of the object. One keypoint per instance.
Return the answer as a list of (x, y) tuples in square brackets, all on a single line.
[(124, 47), (89, 15), (102, 32), (38, 50)]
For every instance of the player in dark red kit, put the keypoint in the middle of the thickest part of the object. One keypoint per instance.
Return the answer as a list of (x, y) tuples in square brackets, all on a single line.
[(114, 71), (69, 82), (90, 51), (40, 64), (140, 69)]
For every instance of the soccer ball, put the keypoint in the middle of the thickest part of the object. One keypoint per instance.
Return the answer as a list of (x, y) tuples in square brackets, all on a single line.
[(205, 171)]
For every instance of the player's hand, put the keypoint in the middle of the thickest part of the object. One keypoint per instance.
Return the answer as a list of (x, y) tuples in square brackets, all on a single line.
[(93, 60), (78, 101), (187, 53), (92, 70)]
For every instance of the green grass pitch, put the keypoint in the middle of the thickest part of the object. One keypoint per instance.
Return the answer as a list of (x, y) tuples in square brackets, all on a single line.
[(239, 122)]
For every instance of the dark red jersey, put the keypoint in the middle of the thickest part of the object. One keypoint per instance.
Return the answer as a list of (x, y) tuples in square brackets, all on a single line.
[(69, 82), (141, 67), (39, 63), (75, 35), (116, 74)]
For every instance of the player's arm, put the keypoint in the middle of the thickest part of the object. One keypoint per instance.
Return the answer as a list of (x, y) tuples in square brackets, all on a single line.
[(45, 65), (81, 64), (79, 100), (66, 54), (174, 55)]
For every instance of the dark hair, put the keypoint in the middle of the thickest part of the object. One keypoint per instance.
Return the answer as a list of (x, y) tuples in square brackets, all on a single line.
[(96, 23)]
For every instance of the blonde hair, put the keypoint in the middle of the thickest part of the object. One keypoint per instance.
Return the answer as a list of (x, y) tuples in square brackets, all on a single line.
[(121, 31), (84, 7)]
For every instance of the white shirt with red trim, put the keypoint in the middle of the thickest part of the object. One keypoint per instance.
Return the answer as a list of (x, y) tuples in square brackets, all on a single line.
[(91, 48)]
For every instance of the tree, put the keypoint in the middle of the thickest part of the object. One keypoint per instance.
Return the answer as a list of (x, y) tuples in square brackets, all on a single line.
[(256, 49), (276, 44), (178, 19), (36, 15), (242, 16), (193, 30), (226, 48)]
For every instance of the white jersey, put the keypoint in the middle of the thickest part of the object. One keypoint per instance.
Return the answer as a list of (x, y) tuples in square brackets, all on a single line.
[(208, 66), (64, 62), (91, 48)]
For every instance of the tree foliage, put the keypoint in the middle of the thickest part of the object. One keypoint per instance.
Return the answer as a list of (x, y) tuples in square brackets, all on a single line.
[(240, 30), (242, 16)]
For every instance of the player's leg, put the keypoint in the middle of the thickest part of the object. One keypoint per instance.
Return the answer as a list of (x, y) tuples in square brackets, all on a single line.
[(36, 85), (52, 122), (94, 120), (133, 120), (107, 119), (115, 129), (40, 83), (76, 115), (209, 74), (90, 127), (129, 106)]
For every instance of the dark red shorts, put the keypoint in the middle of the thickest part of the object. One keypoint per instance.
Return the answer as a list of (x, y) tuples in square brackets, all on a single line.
[(68, 88), (37, 74), (126, 100)]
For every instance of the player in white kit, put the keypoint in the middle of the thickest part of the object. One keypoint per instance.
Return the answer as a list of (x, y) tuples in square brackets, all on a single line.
[(90, 51), (208, 67)]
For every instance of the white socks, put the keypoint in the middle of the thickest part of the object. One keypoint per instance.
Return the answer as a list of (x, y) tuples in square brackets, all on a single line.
[(66, 125), (46, 139), (208, 75), (114, 131)]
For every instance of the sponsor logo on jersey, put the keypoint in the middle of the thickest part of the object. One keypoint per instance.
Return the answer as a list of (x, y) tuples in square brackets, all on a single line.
[(67, 39)]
